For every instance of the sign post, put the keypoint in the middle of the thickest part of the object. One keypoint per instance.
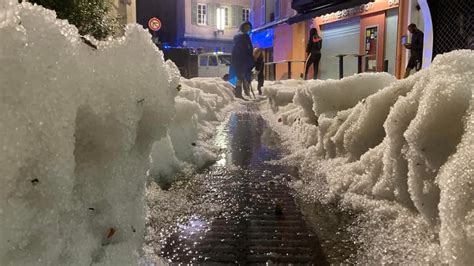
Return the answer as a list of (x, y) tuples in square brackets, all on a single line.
[(154, 24)]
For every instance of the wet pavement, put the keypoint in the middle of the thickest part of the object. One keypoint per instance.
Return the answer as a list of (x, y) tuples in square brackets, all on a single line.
[(259, 221)]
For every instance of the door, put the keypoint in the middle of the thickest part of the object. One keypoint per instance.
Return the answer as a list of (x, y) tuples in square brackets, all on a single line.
[(371, 43), (372, 37), (340, 37)]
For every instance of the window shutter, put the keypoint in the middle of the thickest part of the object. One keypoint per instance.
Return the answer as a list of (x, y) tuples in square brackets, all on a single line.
[(193, 13), (211, 15), (236, 16)]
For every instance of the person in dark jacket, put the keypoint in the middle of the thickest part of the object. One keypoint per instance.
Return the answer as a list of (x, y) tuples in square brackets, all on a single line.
[(313, 49), (242, 59), (416, 49), (259, 66)]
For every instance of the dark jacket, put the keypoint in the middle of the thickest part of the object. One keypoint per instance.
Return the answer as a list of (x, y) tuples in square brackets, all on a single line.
[(242, 54), (417, 43), (259, 64), (314, 45)]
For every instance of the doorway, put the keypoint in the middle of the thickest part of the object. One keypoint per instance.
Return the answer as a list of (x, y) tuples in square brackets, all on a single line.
[(371, 41), (269, 69), (372, 36)]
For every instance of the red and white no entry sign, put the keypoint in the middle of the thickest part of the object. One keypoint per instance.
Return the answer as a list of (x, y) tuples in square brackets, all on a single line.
[(154, 24)]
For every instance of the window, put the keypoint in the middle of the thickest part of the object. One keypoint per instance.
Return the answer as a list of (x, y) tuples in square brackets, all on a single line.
[(277, 9), (225, 59), (226, 16), (268, 10), (245, 14), (223, 20), (203, 60), (201, 14), (212, 60)]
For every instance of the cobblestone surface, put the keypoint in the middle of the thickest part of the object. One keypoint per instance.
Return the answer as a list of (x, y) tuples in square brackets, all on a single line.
[(262, 223)]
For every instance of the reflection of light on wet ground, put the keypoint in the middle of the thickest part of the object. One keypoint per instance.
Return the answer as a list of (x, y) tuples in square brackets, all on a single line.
[(257, 219), (192, 226), (221, 162), (222, 141)]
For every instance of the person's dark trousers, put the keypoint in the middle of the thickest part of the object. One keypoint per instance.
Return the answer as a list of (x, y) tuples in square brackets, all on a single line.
[(242, 85), (313, 60), (238, 86), (260, 83)]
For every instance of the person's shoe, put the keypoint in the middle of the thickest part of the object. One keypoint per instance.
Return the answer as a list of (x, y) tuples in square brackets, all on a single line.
[(240, 97)]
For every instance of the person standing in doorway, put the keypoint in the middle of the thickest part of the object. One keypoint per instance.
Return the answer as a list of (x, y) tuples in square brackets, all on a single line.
[(242, 60), (416, 49), (259, 67), (313, 50)]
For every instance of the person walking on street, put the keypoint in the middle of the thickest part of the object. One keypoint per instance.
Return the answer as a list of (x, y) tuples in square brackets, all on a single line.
[(416, 49), (242, 60), (313, 49), (259, 66)]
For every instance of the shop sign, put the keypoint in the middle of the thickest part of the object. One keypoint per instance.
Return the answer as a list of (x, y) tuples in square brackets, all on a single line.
[(358, 10)]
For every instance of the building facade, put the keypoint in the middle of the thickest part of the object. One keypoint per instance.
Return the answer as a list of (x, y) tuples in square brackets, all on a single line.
[(206, 24), (369, 30), (125, 10)]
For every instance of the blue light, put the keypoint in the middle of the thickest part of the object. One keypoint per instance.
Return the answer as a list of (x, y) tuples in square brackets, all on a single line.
[(263, 39)]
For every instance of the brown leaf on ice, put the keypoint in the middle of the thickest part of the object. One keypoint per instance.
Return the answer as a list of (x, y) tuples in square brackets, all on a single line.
[(111, 232)]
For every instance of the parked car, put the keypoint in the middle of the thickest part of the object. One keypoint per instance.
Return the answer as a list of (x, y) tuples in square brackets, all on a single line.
[(214, 65)]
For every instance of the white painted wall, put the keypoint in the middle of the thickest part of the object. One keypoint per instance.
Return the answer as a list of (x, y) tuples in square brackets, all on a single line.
[(424, 23), (207, 32), (126, 9), (391, 44), (415, 15)]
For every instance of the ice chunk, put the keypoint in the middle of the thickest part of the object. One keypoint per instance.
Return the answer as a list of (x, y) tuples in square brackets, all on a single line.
[(76, 131), (400, 148)]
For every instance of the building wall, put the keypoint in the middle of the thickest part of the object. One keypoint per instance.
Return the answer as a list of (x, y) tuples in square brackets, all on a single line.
[(197, 35), (415, 15), (125, 10), (341, 34), (132, 12), (166, 11), (178, 28), (391, 24), (262, 8), (289, 41)]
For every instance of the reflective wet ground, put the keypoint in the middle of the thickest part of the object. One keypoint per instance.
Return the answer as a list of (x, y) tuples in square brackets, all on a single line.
[(258, 220)]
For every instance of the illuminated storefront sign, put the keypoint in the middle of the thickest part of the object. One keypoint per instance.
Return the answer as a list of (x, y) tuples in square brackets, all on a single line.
[(358, 11)]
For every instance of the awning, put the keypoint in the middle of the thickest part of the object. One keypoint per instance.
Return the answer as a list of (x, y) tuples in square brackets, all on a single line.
[(334, 6), (271, 25)]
